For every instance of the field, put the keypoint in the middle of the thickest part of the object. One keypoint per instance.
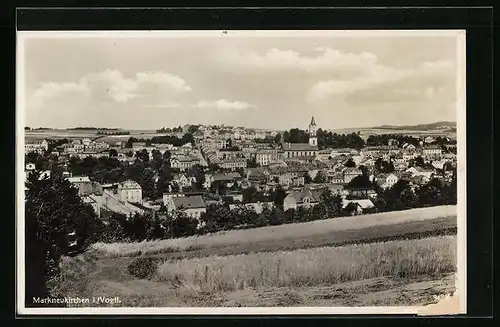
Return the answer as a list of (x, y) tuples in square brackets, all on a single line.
[(336, 231), (91, 134), (352, 261)]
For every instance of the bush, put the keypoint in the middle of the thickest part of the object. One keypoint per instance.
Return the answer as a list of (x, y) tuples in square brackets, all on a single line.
[(143, 268)]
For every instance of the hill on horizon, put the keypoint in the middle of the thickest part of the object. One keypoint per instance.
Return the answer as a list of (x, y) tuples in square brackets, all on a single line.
[(429, 126)]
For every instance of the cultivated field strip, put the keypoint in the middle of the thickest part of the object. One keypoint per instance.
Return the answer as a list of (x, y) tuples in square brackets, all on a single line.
[(432, 256), (335, 231)]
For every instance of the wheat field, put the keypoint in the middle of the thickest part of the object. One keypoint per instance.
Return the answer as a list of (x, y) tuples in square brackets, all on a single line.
[(272, 233), (432, 256)]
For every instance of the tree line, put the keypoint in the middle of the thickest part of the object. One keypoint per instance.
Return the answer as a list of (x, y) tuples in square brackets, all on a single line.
[(325, 139), (164, 139)]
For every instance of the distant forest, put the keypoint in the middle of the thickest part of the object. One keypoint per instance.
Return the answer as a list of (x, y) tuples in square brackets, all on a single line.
[(92, 129), (432, 126), (27, 128)]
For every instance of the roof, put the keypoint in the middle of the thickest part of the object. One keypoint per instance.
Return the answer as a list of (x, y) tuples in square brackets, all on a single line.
[(299, 147), (363, 203), (313, 122), (189, 202), (301, 194), (352, 170), (226, 176), (79, 179), (129, 184)]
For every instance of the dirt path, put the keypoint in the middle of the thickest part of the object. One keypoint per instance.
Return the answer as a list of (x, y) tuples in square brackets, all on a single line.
[(383, 291)]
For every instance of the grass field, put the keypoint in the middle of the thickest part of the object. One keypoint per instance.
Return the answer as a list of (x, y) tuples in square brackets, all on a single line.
[(311, 267), (409, 272), (336, 231), (335, 262)]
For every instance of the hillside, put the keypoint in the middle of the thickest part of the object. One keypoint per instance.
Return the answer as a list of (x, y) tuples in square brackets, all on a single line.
[(352, 261), (422, 127)]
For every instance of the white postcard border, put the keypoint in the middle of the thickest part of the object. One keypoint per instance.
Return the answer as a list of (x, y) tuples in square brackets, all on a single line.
[(22, 36)]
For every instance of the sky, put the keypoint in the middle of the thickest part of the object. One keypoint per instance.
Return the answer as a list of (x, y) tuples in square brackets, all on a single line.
[(260, 82)]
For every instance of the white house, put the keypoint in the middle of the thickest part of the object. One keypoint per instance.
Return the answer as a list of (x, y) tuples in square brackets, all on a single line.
[(192, 206), (36, 146), (130, 191), (386, 180)]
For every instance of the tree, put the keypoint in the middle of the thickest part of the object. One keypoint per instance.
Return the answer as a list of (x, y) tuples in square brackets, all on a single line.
[(53, 211), (178, 224), (250, 195), (142, 155), (331, 203), (113, 153), (188, 138), (320, 178), (350, 163), (419, 161), (364, 170), (279, 196), (274, 216), (360, 182), (351, 208), (277, 139)]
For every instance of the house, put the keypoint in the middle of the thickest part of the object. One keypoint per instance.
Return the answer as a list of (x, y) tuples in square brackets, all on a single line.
[(36, 146), (429, 139), (184, 162), (439, 164), (30, 167), (300, 198), (408, 146), (82, 183), (264, 157), (182, 180), (192, 206), (257, 175), (233, 163), (44, 175), (86, 142), (419, 171), (386, 180), (351, 173), (377, 150), (361, 205), (324, 155), (130, 191), (432, 150), (337, 189)]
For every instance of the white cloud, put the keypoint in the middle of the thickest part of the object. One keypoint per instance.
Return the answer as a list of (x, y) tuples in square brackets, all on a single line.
[(289, 59), (112, 85), (223, 104), (403, 82)]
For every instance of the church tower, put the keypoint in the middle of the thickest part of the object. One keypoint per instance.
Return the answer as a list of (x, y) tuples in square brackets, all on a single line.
[(313, 140)]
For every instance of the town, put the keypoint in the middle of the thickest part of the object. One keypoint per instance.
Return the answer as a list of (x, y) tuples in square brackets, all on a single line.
[(189, 169)]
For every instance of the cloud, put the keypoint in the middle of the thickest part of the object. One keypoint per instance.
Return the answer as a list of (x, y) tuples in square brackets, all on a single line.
[(276, 59), (112, 85), (381, 83), (223, 104)]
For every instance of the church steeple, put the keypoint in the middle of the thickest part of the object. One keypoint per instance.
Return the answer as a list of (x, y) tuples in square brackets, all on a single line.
[(313, 141)]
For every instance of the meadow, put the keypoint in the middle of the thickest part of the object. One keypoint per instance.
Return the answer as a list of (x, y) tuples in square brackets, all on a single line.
[(395, 273), (432, 256), (334, 231)]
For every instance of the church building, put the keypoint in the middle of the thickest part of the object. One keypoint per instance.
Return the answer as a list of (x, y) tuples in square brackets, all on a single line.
[(303, 150)]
